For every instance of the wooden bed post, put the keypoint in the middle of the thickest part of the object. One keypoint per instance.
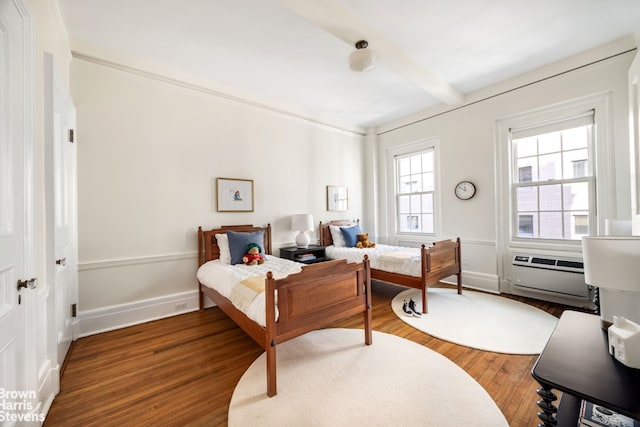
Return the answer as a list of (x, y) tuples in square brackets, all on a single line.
[(368, 333), (459, 255), (270, 337), (200, 262), (425, 261)]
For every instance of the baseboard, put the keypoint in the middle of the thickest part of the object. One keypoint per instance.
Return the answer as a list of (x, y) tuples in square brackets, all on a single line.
[(479, 281), (119, 316)]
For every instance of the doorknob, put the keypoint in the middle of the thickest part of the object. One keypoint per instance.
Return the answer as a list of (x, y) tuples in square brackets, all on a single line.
[(31, 283), (62, 262)]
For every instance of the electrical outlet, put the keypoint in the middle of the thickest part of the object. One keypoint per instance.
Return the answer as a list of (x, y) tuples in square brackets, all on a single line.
[(181, 306)]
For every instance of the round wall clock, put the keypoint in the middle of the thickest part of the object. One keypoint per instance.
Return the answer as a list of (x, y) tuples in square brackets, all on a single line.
[(465, 190)]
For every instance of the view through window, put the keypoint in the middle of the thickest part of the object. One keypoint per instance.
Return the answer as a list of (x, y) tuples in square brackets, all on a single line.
[(553, 183), (415, 192)]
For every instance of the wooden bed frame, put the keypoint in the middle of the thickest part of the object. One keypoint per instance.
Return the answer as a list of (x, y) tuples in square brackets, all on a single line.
[(438, 262), (321, 294)]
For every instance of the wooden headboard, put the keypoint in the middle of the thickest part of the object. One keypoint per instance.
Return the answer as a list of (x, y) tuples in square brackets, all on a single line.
[(208, 244), (325, 233)]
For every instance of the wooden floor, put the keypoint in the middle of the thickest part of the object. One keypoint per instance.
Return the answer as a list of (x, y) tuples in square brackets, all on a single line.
[(181, 371)]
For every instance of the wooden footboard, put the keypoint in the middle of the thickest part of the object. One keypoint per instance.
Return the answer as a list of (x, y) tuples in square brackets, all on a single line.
[(319, 295), (439, 261)]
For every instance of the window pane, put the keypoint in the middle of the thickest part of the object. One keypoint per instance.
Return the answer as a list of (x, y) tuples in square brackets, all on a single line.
[(427, 203), (415, 203), (427, 223), (577, 224), (527, 199), (405, 223), (575, 138), (576, 196), (528, 169), (403, 204), (551, 225), (526, 225), (549, 143), (416, 183), (427, 181), (427, 161), (550, 197), (550, 166), (526, 147), (404, 166), (575, 164)]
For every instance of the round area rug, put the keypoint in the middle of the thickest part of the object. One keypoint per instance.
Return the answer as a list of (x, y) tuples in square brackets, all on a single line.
[(330, 377), (479, 320)]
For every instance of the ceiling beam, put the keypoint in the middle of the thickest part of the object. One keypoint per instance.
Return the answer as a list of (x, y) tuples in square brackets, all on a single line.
[(341, 23)]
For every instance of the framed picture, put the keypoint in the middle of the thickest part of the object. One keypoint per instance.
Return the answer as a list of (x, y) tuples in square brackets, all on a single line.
[(235, 195), (337, 198)]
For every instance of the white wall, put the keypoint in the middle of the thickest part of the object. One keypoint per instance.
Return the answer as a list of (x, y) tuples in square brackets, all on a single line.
[(467, 149), (149, 152)]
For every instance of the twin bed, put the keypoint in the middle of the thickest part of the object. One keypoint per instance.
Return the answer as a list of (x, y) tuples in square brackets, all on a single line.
[(292, 299), (281, 299), (411, 267)]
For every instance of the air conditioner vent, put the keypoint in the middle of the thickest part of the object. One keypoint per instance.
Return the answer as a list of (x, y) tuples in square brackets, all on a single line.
[(572, 264), (545, 261)]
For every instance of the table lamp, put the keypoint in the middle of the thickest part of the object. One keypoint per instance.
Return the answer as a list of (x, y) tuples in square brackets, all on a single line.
[(302, 223), (612, 263)]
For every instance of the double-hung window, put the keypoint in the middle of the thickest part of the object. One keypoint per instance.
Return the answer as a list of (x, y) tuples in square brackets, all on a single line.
[(552, 180), (415, 192)]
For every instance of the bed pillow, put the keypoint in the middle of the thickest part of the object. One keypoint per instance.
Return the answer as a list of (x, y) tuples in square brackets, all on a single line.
[(336, 236), (238, 244), (350, 235), (223, 244)]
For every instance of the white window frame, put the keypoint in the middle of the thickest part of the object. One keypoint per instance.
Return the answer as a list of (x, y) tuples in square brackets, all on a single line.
[(392, 210), (601, 159), (589, 178)]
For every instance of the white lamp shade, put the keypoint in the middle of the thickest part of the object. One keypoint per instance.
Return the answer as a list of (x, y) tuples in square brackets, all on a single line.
[(302, 222), (612, 262), (362, 59)]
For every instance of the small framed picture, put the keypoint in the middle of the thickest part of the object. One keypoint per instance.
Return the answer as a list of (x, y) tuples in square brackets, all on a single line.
[(337, 198), (235, 195)]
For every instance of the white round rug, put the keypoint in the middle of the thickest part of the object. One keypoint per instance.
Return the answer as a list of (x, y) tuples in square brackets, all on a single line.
[(331, 378), (479, 320)]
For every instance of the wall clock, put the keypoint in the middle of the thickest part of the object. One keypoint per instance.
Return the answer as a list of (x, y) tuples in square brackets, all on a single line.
[(465, 190)]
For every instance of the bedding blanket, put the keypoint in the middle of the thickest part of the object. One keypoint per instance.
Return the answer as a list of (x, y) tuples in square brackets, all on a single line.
[(250, 296), (394, 259)]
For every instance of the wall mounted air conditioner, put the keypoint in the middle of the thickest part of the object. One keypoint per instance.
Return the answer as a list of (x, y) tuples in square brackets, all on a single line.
[(549, 274)]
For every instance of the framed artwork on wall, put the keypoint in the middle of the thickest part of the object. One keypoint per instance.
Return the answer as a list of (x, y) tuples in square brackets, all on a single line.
[(337, 198), (235, 195)]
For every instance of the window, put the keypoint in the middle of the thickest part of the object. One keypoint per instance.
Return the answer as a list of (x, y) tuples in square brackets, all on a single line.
[(415, 192), (553, 187)]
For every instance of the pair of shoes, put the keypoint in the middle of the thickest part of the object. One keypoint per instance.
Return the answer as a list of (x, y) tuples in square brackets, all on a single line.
[(409, 308), (412, 307)]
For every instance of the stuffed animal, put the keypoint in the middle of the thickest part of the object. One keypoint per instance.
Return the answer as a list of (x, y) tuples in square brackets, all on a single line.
[(363, 241), (253, 256)]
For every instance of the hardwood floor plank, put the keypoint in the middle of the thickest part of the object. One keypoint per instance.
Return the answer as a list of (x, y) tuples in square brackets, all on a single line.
[(181, 371)]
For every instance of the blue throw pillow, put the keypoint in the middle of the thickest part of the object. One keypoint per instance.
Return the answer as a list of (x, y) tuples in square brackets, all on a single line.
[(350, 235), (238, 244)]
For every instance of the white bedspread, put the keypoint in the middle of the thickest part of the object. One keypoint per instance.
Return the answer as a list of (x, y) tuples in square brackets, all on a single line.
[(394, 259), (224, 277)]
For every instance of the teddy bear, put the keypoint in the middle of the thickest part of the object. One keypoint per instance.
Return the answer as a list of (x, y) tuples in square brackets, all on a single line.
[(363, 241), (253, 256)]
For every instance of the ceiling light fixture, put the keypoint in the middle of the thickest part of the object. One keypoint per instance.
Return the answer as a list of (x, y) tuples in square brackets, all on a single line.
[(362, 59)]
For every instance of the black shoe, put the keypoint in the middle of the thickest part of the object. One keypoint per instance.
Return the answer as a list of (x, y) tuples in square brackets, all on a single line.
[(406, 309), (412, 307)]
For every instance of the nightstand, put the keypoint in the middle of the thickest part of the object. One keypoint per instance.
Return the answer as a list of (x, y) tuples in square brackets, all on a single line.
[(309, 255)]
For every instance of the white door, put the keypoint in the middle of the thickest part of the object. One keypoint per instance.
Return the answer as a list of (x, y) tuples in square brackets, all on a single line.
[(60, 177), (16, 211)]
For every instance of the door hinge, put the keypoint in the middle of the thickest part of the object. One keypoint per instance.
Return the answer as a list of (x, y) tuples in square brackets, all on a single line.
[(71, 135), (73, 310)]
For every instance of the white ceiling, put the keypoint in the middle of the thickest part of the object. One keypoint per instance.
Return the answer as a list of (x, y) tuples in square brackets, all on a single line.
[(291, 55)]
